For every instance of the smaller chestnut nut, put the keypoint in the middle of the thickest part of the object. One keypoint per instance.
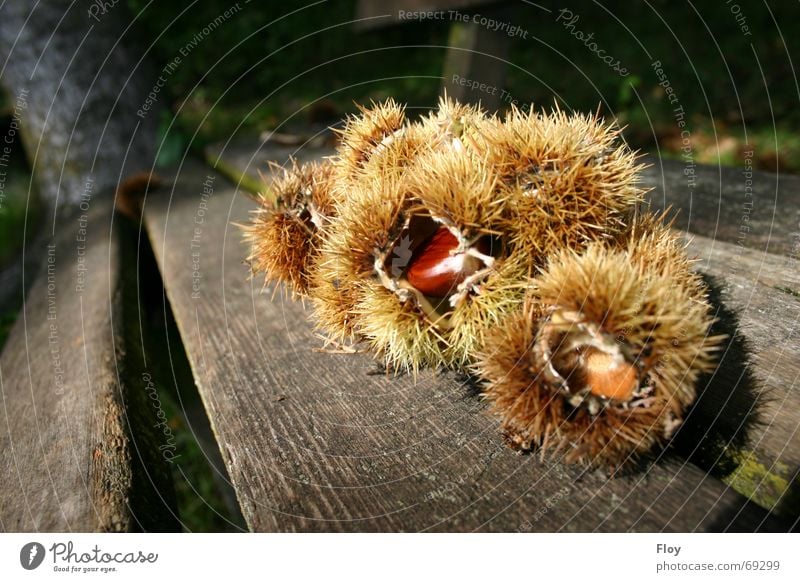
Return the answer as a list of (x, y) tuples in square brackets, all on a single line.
[(610, 379), (436, 271)]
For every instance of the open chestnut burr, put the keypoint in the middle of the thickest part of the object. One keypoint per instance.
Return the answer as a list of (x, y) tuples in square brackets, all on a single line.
[(509, 248), (603, 359), (445, 219), (406, 267)]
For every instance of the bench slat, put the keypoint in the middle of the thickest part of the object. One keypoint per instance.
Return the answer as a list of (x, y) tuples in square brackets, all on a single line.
[(760, 297), (315, 441), (761, 315), (756, 210), (67, 459), (65, 455)]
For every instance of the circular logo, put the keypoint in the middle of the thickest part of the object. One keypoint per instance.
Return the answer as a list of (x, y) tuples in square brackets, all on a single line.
[(31, 555)]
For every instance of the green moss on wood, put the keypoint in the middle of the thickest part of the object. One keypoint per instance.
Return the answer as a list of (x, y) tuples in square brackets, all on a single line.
[(241, 179), (773, 488), (789, 291)]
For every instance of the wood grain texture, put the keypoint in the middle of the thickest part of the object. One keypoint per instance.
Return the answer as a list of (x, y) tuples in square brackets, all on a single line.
[(750, 403), (318, 442), (78, 451), (759, 211), (749, 243), (64, 449)]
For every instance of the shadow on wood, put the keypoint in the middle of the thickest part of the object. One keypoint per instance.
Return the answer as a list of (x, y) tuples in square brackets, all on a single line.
[(718, 432)]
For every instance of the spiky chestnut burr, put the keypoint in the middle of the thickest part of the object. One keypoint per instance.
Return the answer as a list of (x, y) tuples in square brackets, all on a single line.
[(574, 180), (409, 254), (495, 205), (371, 131), (602, 360), (380, 138), (285, 229), (375, 148), (455, 125)]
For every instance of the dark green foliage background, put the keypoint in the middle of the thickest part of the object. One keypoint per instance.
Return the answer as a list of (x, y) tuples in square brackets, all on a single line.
[(711, 64)]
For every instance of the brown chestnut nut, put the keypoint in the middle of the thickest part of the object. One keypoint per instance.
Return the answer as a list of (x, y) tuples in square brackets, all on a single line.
[(435, 270)]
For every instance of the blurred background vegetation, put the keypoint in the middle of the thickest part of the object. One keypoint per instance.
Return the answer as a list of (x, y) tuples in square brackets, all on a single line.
[(262, 67)]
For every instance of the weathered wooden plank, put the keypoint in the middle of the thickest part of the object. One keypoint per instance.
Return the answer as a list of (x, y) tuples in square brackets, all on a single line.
[(748, 414), (752, 221), (753, 209), (68, 459), (749, 407), (315, 441)]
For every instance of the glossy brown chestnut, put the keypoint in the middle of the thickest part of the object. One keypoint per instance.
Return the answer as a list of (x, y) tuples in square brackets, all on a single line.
[(434, 271)]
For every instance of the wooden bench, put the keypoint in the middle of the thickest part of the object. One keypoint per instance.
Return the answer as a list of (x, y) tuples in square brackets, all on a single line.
[(477, 47), (315, 441), (77, 449)]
